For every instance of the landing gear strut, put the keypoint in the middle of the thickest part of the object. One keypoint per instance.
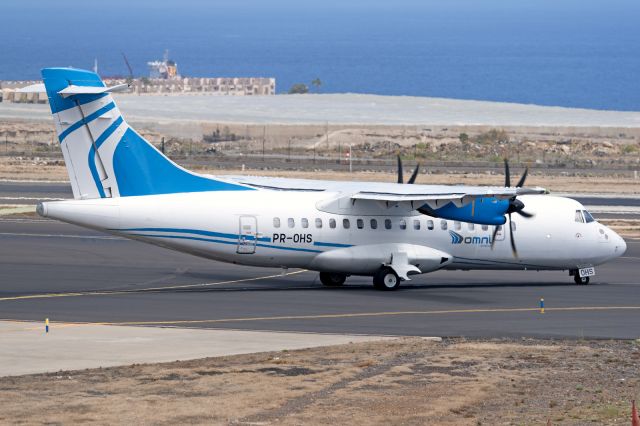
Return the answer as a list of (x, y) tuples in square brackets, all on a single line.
[(386, 279), (331, 279)]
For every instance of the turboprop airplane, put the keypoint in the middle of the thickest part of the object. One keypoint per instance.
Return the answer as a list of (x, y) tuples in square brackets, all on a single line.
[(123, 185)]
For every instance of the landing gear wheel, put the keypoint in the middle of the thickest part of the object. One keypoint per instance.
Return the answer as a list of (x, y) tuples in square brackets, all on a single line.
[(386, 279), (332, 280), (580, 280)]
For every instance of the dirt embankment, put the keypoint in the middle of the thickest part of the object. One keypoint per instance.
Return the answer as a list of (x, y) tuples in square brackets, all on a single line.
[(406, 381)]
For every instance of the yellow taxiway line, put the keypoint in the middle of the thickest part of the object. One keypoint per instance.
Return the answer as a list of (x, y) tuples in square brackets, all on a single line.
[(343, 315)]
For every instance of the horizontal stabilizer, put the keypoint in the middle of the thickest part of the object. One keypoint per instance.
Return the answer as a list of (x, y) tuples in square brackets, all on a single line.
[(91, 90), (33, 88)]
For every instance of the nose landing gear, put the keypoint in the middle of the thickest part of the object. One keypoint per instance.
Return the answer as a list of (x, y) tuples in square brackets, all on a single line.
[(577, 278), (580, 280)]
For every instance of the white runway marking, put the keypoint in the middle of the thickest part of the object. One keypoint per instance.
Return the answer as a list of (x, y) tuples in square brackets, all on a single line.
[(33, 198), (90, 237), (150, 289), (19, 220)]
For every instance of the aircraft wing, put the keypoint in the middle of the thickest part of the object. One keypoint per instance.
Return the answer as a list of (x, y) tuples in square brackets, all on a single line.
[(416, 195), (437, 195)]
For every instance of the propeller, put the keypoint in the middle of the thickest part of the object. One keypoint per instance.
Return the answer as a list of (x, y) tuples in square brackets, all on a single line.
[(412, 178), (515, 206)]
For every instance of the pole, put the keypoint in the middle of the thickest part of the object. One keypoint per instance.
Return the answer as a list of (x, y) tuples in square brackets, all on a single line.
[(162, 146), (289, 151), (350, 160), (326, 133), (264, 133)]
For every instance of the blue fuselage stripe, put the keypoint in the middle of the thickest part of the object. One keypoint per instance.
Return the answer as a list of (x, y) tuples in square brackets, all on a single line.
[(209, 240), (322, 244), (196, 232), (88, 119)]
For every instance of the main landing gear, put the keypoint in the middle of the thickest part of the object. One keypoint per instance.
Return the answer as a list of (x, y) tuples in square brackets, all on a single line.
[(331, 279), (386, 279)]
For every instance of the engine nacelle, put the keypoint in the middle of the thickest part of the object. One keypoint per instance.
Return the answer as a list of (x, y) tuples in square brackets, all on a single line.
[(483, 211), (367, 259)]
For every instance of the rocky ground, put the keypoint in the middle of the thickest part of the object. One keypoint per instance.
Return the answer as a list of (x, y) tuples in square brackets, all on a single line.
[(559, 147), (404, 381)]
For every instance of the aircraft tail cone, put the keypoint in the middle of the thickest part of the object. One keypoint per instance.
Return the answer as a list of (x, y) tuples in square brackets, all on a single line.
[(635, 420)]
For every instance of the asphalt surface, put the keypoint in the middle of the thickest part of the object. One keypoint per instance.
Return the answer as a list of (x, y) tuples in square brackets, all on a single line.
[(66, 273)]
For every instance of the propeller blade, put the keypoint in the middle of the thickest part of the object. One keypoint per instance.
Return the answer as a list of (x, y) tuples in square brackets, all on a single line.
[(507, 175), (400, 178), (525, 214), (520, 183), (414, 175), (493, 238), (513, 243)]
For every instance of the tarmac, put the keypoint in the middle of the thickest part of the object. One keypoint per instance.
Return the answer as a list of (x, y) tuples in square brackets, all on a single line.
[(28, 349), (68, 274), (113, 301)]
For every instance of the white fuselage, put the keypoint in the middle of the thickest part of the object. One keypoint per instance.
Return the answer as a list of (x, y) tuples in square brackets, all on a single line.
[(290, 229)]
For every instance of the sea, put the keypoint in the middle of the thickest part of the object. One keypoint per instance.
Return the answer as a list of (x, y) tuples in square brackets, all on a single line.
[(572, 53)]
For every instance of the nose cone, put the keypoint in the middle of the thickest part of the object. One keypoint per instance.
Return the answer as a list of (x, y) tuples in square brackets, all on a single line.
[(619, 245)]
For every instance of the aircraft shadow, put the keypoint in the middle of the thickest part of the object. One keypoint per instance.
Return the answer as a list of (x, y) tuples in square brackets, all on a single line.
[(286, 287)]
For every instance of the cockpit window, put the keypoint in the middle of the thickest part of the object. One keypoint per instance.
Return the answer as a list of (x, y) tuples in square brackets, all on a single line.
[(587, 217), (579, 217)]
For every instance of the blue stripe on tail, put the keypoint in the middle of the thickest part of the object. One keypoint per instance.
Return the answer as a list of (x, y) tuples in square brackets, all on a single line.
[(141, 169), (138, 168), (92, 153)]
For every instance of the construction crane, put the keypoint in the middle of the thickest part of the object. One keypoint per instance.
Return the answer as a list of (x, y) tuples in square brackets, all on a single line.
[(126, 61)]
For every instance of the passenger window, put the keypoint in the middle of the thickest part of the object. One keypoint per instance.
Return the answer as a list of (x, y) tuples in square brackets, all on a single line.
[(360, 223), (485, 227), (305, 222), (471, 226), (345, 223), (579, 217), (416, 224), (291, 222), (374, 224), (387, 224), (430, 225), (276, 222), (457, 225), (403, 224), (318, 223), (443, 225), (587, 217), (332, 223)]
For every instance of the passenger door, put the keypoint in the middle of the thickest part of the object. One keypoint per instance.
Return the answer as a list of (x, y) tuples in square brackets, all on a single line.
[(247, 235)]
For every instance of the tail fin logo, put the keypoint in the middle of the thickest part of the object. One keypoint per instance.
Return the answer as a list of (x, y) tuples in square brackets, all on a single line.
[(456, 238)]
